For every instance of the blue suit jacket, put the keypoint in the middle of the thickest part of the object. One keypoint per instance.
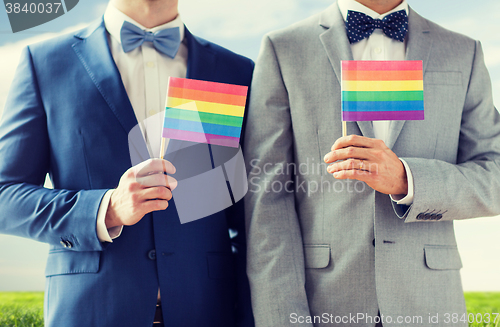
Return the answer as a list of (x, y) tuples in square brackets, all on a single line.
[(68, 114)]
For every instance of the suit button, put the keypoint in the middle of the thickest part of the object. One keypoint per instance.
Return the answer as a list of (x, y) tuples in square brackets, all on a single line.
[(427, 216), (63, 243), (439, 216), (420, 216), (69, 244), (152, 254)]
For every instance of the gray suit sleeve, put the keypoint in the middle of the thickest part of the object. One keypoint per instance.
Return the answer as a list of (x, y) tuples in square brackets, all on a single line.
[(471, 187), (275, 252)]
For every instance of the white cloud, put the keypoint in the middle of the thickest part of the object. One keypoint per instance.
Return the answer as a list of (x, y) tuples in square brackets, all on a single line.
[(10, 54), (481, 19), (22, 264), (240, 19), (480, 251), (25, 271), (99, 9), (492, 54), (496, 86), (481, 24)]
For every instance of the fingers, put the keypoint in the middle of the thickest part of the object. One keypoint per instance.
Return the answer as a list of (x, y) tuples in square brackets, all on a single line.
[(143, 188), (349, 164), (155, 193), (357, 141), (153, 199), (154, 205), (348, 153), (360, 175), (154, 166), (367, 160), (158, 179)]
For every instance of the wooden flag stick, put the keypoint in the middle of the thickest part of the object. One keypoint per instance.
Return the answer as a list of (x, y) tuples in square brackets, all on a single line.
[(162, 149), (164, 146), (344, 128)]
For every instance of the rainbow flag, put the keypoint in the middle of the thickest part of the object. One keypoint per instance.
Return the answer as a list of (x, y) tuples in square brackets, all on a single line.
[(382, 90), (204, 112)]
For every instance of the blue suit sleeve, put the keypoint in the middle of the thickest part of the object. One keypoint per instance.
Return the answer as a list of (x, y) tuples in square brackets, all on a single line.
[(58, 217)]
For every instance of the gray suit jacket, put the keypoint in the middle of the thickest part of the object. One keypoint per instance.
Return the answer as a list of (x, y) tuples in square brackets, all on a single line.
[(337, 249)]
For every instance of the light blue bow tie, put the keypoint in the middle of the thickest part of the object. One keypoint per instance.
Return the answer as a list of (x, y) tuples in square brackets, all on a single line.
[(166, 41)]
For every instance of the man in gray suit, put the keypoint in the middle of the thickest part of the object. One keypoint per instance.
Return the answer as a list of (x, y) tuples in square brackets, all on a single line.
[(375, 241)]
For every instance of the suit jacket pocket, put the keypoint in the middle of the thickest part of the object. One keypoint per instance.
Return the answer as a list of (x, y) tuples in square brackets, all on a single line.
[(317, 255), (220, 265), (72, 262), (442, 257), (443, 78)]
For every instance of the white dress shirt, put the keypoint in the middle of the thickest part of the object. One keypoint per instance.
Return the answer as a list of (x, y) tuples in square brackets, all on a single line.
[(378, 46), (144, 73)]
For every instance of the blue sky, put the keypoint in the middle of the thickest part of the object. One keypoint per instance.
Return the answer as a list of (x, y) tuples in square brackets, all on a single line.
[(239, 25)]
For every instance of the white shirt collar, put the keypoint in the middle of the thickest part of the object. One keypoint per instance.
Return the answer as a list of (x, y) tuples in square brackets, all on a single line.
[(114, 18), (346, 5)]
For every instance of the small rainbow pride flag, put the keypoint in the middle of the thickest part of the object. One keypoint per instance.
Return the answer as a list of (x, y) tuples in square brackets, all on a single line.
[(204, 112), (382, 90)]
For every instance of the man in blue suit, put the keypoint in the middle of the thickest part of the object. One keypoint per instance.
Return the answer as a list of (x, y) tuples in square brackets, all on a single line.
[(118, 253)]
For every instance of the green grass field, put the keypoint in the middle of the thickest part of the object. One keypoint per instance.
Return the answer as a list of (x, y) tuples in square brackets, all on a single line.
[(25, 309), (21, 309), (479, 304)]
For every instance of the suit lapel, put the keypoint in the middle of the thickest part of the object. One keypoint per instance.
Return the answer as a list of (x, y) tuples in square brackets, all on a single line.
[(338, 48), (93, 52), (201, 60), (418, 47), (201, 66)]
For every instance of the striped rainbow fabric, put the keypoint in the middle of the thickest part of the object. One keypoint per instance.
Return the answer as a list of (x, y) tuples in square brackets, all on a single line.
[(204, 112), (382, 90)]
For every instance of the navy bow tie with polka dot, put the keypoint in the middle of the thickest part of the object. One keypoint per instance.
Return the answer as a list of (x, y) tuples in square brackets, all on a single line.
[(360, 26)]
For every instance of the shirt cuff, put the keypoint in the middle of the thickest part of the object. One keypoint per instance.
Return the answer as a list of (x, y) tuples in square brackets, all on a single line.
[(408, 198), (104, 234)]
